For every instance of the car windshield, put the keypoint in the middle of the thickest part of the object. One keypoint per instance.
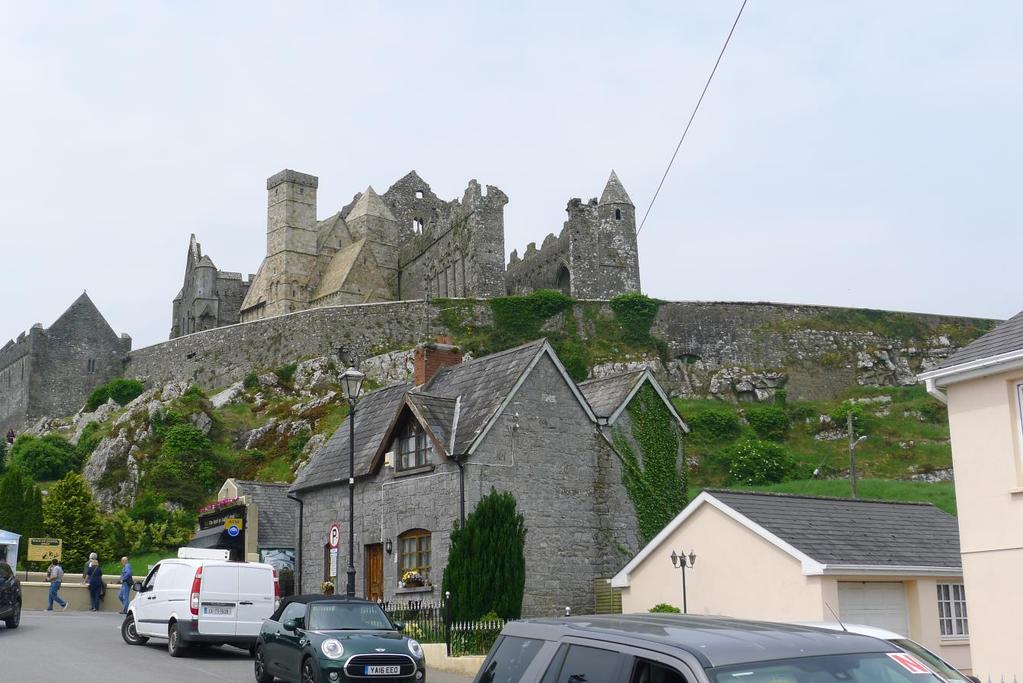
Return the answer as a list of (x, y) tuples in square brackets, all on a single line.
[(938, 665), (333, 616), (890, 667)]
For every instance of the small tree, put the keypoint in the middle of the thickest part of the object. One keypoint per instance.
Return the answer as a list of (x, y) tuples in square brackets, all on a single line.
[(13, 485), (486, 569), (45, 457), (70, 514), (754, 462)]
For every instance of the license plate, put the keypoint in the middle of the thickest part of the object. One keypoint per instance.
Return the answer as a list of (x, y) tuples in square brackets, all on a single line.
[(383, 670), (217, 611)]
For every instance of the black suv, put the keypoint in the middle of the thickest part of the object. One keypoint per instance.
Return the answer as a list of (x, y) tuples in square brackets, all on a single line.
[(668, 648), (10, 596)]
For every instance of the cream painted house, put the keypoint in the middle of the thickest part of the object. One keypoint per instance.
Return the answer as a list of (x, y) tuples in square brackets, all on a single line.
[(777, 557), (983, 386)]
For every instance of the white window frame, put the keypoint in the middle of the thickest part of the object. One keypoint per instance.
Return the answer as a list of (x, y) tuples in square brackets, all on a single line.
[(953, 618)]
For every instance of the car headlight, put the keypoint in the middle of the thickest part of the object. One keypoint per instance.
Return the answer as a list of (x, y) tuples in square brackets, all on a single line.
[(332, 648), (415, 648)]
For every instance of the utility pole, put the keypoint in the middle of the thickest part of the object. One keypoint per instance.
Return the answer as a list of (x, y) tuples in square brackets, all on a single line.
[(853, 443)]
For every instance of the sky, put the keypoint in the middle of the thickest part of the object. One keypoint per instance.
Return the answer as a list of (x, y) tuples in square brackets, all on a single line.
[(863, 153)]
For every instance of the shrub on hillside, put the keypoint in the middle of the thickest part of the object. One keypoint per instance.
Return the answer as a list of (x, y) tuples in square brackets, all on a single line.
[(45, 457), (714, 424), (665, 608), (286, 373), (70, 514), (122, 390), (769, 422), (251, 380), (754, 462), (183, 472)]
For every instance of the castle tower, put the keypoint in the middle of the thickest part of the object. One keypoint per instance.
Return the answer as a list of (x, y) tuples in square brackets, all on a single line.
[(372, 220), (617, 250), (283, 281)]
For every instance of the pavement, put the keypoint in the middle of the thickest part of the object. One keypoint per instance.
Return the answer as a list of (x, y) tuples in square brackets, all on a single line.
[(86, 647)]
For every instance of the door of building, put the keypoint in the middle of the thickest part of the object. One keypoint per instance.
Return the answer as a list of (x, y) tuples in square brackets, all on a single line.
[(880, 604), (375, 572)]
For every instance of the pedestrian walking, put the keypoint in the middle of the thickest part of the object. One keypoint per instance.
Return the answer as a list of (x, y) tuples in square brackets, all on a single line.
[(55, 574), (124, 595), (94, 579)]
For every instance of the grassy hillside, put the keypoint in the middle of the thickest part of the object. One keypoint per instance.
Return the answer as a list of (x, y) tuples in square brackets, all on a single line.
[(907, 434)]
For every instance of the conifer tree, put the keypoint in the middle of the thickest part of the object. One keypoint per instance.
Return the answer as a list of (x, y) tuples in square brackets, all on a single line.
[(13, 485), (70, 514), (486, 569), (32, 519)]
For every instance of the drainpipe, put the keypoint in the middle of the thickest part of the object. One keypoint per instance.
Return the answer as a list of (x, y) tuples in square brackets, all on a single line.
[(298, 556), (934, 391), (461, 492)]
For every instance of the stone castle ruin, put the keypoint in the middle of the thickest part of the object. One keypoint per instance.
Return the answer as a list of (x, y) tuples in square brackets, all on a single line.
[(407, 244), (51, 371)]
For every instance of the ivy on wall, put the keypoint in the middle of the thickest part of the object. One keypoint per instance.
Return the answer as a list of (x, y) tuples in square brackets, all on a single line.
[(655, 481)]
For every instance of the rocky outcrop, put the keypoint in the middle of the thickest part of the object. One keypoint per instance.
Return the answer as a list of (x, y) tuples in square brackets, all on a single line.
[(112, 472)]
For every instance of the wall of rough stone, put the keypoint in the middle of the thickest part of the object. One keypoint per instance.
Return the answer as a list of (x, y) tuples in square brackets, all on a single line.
[(733, 351), (16, 365)]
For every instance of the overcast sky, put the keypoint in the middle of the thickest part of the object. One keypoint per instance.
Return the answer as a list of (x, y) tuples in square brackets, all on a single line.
[(863, 153)]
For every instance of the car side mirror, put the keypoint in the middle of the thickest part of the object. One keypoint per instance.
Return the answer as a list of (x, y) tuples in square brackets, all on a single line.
[(294, 624), (137, 587), (398, 626)]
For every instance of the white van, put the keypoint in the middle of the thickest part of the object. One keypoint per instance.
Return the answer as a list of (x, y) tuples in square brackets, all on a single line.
[(193, 600)]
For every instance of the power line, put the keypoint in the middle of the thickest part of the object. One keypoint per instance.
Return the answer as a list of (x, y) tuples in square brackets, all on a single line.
[(691, 117)]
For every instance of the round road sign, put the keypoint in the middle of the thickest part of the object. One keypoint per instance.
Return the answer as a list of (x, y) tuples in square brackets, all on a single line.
[(335, 535), (233, 531)]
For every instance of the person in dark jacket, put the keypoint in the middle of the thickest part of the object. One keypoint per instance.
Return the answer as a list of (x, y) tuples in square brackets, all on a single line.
[(94, 579)]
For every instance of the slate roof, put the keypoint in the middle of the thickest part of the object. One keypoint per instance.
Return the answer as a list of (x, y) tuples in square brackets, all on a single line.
[(373, 416), (842, 531), (1005, 338), (607, 393), (278, 514), (438, 413)]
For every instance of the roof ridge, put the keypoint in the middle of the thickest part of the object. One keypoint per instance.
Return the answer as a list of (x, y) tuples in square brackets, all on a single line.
[(617, 375), (780, 494)]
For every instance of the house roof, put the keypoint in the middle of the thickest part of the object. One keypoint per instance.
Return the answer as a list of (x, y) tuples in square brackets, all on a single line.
[(833, 535), (1002, 343), (609, 396), (461, 400), (278, 514)]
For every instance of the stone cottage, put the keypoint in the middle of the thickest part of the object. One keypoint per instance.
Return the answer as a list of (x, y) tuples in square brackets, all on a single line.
[(427, 452)]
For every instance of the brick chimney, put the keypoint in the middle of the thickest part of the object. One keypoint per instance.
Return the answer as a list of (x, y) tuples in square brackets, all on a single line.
[(431, 357)]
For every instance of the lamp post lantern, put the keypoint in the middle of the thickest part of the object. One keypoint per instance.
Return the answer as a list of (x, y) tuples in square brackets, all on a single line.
[(683, 562), (351, 382)]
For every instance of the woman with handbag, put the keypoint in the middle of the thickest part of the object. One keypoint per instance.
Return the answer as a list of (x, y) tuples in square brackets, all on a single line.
[(94, 579)]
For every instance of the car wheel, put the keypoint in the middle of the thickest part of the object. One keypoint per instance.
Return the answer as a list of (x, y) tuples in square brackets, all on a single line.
[(15, 618), (310, 671), (175, 648), (259, 668), (130, 633)]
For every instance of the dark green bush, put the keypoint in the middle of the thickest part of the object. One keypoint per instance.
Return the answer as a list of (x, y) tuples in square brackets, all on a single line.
[(286, 373), (122, 390), (45, 458), (714, 424), (183, 472), (635, 313), (769, 422), (251, 381), (755, 462), (934, 412), (486, 569), (665, 608), (780, 397), (518, 319)]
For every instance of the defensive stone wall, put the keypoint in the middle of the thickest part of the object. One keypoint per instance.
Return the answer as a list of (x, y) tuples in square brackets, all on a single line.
[(733, 351)]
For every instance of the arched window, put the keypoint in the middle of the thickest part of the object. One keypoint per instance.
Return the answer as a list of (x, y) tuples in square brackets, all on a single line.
[(618, 214), (414, 554)]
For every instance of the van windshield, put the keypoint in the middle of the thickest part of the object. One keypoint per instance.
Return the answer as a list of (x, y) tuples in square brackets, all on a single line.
[(327, 616), (889, 667)]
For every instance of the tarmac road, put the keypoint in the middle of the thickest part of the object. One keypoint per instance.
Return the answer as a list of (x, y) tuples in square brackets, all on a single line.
[(86, 647)]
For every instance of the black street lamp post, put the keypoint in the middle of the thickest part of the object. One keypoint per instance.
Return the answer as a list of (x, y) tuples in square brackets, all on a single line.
[(351, 381), (683, 562)]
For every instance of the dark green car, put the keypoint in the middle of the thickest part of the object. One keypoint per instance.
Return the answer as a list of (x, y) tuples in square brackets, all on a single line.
[(326, 639)]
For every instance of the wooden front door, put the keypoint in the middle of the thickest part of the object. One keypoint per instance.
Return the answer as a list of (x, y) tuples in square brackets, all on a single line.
[(375, 572)]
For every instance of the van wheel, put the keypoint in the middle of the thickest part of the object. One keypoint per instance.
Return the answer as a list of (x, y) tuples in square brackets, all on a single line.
[(15, 618), (130, 633), (259, 668), (175, 647)]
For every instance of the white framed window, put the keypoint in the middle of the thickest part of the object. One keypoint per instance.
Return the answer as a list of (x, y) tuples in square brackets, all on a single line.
[(952, 610)]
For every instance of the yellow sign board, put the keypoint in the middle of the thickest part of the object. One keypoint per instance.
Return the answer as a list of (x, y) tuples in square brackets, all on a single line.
[(233, 522), (44, 549)]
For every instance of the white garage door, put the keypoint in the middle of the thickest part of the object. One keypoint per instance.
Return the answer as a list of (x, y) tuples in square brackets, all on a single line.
[(875, 604)]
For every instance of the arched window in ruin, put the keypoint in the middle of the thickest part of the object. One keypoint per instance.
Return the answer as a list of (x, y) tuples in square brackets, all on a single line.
[(564, 280)]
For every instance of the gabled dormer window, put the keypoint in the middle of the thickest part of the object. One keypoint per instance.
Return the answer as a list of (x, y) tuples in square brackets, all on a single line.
[(414, 447)]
